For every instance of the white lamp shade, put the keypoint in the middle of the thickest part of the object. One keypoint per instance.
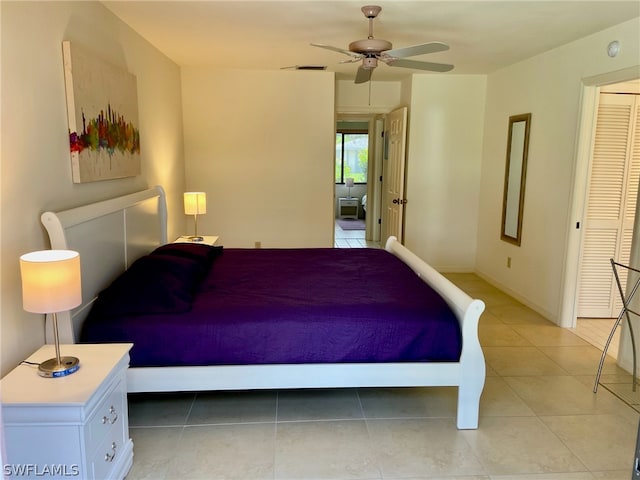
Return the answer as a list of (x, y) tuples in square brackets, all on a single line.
[(50, 281), (195, 203), (348, 182)]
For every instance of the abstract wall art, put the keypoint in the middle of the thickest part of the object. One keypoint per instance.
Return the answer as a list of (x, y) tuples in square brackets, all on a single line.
[(102, 108)]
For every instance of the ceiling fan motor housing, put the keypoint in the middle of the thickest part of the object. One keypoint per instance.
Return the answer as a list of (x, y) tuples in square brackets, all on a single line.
[(370, 45)]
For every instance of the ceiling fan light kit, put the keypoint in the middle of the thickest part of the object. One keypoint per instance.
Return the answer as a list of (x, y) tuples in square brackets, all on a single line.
[(371, 50)]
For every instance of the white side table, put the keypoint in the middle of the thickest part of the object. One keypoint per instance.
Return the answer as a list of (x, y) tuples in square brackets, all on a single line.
[(69, 427), (206, 240)]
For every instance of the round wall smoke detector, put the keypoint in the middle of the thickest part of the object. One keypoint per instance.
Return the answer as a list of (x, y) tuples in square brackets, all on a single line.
[(613, 48)]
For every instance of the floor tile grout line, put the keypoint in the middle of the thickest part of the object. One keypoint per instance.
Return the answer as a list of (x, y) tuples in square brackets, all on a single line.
[(298, 421), (193, 402), (275, 436), (369, 436)]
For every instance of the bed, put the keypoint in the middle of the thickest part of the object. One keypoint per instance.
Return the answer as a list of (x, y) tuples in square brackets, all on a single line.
[(120, 234)]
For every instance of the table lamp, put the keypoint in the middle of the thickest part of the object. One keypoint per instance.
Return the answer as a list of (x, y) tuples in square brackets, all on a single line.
[(195, 203), (349, 183), (51, 284)]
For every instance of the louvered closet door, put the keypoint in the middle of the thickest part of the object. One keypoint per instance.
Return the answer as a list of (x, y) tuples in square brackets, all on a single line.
[(611, 204)]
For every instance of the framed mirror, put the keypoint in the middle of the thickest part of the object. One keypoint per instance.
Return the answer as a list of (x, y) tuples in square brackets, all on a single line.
[(514, 177)]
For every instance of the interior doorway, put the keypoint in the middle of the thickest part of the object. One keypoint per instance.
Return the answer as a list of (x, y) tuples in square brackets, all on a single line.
[(591, 92), (357, 170)]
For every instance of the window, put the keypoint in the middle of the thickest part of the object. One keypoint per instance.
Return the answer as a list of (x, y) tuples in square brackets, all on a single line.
[(352, 155)]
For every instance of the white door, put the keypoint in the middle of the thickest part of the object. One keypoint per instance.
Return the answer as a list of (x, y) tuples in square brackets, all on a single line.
[(393, 175), (611, 205)]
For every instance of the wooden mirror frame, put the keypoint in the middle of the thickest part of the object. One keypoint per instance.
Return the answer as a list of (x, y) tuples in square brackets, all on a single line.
[(514, 178)]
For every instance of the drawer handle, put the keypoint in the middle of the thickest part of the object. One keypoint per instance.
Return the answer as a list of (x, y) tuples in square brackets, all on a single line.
[(112, 418), (108, 457)]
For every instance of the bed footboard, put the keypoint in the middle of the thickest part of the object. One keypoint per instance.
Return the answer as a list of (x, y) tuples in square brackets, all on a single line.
[(468, 310)]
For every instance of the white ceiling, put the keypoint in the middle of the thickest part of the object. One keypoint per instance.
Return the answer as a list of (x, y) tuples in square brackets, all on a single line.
[(483, 35)]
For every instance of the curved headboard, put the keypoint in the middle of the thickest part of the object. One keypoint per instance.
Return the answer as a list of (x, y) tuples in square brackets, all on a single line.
[(109, 235)]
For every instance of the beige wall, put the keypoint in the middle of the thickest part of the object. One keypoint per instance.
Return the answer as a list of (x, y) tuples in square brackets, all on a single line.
[(261, 145), (379, 97), (36, 172), (550, 87), (443, 169)]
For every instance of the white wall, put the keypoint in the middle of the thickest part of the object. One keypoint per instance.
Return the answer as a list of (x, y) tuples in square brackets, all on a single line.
[(36, 168), (550, 87), (443, 169), (261, 145)]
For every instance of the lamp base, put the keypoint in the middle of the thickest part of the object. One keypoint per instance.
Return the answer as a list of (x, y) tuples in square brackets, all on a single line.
[(52, 369), (196, 238)]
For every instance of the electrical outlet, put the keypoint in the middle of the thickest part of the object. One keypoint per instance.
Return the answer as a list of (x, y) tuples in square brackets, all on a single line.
[(258, 244), (508, 262)]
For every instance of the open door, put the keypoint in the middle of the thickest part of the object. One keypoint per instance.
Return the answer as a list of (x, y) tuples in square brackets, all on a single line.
[(393, 199)]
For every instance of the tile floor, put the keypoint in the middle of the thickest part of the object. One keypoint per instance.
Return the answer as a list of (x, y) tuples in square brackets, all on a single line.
[(596, 331), (538, 420), (351, 239)]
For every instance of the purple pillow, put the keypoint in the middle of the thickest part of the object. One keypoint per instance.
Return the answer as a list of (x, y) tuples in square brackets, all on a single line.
[(195, 251), (152, 284)]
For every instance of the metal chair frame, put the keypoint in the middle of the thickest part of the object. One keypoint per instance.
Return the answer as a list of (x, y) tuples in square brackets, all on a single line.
[(624, 313)]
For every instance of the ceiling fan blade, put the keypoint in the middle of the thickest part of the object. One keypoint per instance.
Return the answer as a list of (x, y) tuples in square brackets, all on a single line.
[(414, 50), (429, 66), (363, 75), (336, 49)]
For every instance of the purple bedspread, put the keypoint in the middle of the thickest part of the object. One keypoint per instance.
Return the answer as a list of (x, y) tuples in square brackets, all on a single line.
[(274, 306)]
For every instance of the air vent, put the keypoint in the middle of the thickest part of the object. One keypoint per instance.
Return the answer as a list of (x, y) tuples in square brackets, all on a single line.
[(311, 67)]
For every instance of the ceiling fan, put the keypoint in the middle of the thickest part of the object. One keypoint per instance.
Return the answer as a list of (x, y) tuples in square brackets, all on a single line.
[(371, 50)]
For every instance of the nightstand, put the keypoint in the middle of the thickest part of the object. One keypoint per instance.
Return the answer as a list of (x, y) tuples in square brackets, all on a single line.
[(348, 207), (69, 427), (206, 240)]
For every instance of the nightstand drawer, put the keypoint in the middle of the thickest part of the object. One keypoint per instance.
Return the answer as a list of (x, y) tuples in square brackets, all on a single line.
[(109, 415), (108, 453)]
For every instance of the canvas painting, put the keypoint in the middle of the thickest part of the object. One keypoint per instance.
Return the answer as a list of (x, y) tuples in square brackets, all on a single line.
[(102, 106)]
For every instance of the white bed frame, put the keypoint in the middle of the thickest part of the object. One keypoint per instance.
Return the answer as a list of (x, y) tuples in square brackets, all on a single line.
[(111, 234)]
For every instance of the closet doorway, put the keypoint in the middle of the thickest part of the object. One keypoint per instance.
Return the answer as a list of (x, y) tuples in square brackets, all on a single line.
[(610, 208), (610, 211)]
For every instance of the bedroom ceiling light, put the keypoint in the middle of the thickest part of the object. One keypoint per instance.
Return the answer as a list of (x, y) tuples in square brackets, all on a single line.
[(51, 284), (349, 183), (195, 203)]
